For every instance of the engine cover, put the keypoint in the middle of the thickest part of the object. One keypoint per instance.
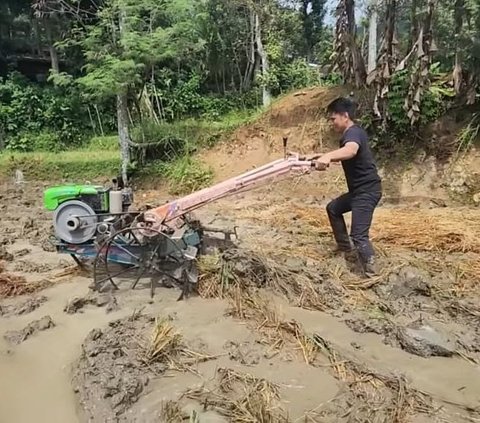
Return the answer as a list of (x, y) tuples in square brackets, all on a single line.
[(75, 222)]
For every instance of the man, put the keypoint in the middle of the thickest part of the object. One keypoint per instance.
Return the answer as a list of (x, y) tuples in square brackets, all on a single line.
[(363, 181)]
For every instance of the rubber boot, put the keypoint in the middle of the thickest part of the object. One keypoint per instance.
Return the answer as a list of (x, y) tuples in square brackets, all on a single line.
[(344, 243), (369, 267)]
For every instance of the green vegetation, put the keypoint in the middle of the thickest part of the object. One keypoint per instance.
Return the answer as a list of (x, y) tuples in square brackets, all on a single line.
[(183, 175), (397, 127), (99, 158), (168, 77), (74, 165), (36, 117)]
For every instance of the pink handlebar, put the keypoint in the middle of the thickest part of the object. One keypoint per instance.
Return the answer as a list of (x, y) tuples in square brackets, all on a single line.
[(249, 180)]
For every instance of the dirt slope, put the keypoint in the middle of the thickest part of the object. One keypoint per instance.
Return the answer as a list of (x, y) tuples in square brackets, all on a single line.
[(301, 117), (298, 116)]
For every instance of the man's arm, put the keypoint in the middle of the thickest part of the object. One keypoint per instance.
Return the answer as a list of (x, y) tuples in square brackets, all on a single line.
[(348, 151)]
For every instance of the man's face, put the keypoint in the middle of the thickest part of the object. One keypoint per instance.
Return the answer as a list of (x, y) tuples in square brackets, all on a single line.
[(339, 121)]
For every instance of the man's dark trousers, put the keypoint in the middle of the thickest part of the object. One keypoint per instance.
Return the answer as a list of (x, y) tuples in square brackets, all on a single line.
[(362, 205)]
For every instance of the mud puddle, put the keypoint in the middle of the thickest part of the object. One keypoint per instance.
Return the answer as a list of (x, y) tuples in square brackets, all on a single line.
[(39, 368), (445, 379)]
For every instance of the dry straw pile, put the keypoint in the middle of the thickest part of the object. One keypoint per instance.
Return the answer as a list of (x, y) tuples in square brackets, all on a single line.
[(436, 230), (12, 285), (242, 398), (166, 345), (449, 231), (371, 396)]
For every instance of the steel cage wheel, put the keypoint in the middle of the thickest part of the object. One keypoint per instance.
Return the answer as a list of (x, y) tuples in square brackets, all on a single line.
[(137, 256)]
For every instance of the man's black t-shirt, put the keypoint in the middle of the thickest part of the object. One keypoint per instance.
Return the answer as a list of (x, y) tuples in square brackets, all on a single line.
[(360, 171)]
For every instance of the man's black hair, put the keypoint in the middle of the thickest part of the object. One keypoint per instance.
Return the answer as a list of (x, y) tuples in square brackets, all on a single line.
[(342, 105)]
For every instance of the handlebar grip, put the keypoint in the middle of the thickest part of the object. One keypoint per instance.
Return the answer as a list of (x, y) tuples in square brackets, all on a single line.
[(325, 168)]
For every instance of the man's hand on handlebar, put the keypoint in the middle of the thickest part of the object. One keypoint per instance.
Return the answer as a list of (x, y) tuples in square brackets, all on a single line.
[(319, 161), (322, 163)]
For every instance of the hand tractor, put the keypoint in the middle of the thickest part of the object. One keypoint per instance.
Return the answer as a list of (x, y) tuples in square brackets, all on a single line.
[(95, 223)]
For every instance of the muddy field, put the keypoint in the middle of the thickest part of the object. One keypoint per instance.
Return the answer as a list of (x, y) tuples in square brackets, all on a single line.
[(281, 330)]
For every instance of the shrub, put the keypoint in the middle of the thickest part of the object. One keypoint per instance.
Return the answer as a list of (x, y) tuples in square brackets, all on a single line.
[(185, 175), (32, 141), (33, 114)]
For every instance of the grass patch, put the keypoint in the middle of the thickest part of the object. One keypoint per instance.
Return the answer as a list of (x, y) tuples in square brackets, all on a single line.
[(193, 133), (106, 143), (100, 157), (68, 165), (183, 175)]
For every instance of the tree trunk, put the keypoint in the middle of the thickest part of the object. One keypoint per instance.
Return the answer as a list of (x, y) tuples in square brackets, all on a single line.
[(36, 32), (55, 65), (122, 115), (357, 59), (372, 37), (457, 70), (249, 73), (420, 76), (413, 25), (123, 134), (385, 65), (306, 30), (266, 96), (348, 58)]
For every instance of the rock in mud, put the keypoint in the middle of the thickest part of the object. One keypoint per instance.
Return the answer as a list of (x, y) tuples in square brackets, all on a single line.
[(243, 353), (23, 308), (370, 325), (409, 281), (421, 338), (112, 304), (4, 254), (18, 336), (408, 289), (76, 304)]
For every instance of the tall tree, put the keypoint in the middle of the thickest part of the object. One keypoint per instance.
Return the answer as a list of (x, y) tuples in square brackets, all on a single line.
[(420, 71), (372, 36), (386, 64), (49, 14), (313, 15), (457, 70), (347, 56), (129, 38)]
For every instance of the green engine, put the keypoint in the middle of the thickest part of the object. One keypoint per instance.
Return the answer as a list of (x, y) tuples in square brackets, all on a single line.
[(80, 211), (96, 196)]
